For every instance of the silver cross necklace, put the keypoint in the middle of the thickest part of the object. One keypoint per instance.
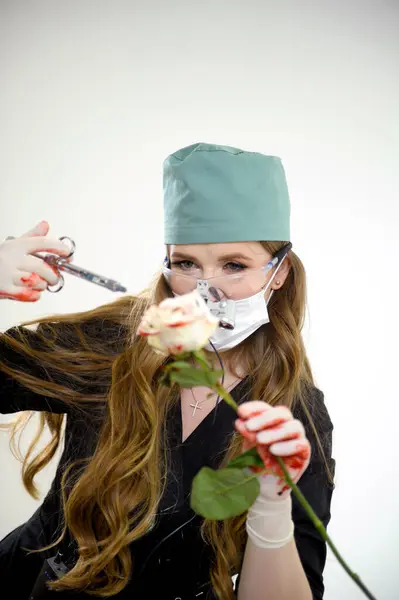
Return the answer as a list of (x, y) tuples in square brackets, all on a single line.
[(197, 404)]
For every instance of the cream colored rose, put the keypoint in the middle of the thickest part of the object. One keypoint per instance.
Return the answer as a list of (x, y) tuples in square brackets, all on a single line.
[(179, 324)]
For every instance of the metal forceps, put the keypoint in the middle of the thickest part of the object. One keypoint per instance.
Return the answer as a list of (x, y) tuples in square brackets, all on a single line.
[(62, 264)]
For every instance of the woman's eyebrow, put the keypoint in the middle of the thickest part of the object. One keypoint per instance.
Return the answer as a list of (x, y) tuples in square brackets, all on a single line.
[(234, 256)]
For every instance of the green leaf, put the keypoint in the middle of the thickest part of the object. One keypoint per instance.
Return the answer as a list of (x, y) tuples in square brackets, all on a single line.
[(184, 356), (201, 359), (189, 377), (223, 493), (177, 365), (213, 376), (200, 354), (246, 459)]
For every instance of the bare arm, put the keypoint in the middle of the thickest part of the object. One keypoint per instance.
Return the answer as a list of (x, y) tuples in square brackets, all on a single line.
[(273, 574)]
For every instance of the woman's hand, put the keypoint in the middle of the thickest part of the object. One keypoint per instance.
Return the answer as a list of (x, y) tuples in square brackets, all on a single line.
[(22, 276), (274, 432)]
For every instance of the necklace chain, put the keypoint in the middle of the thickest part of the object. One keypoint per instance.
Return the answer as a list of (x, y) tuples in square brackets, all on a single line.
[(197, 406)]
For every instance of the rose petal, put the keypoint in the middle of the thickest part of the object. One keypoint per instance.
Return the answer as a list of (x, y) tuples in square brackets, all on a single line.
[(179, 324)]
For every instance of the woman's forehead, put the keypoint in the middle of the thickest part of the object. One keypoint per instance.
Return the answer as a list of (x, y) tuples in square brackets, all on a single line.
[(251, 250)]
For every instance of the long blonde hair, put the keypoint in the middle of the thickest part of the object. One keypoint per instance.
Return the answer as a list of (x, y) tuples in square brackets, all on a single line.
[(111, 499)]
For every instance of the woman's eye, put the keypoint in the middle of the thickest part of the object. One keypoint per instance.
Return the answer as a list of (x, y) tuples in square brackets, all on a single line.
[(235, 266), (185, 265)]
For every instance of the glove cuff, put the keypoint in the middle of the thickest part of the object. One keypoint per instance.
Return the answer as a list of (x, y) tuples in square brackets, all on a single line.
[(269, 522)]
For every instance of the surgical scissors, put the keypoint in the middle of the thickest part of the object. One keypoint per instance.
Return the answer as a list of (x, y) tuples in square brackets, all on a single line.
[(62, 264)]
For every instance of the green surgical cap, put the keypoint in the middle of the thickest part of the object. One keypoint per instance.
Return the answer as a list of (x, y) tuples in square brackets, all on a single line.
[(223, 194)]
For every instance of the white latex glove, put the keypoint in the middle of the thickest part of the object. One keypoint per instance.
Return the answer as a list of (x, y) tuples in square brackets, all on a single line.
[(273, 431), (22, 276)]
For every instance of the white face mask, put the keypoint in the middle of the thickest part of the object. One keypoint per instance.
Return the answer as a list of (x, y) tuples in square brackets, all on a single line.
[(250, 314)]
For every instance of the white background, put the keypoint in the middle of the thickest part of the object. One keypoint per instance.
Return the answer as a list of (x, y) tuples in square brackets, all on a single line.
[(94, 95)]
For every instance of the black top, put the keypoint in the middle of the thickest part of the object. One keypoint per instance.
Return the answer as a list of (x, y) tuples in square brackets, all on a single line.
[(176, 566)]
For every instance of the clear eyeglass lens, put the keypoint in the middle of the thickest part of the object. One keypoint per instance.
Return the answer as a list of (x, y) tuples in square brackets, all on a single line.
[(236, 286)]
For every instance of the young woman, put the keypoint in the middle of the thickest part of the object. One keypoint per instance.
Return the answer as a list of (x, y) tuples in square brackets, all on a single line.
[(117, 518)]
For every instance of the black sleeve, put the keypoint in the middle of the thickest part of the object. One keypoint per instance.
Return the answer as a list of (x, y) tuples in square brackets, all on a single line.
[(317, 489), (15, 397)]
